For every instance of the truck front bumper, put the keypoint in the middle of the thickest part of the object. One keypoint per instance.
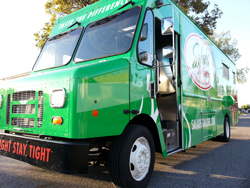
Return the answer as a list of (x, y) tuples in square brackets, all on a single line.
[(65, 157)]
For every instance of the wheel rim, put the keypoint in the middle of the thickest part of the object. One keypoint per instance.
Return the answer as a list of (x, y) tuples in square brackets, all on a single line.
[(140, 157), (227, 130)]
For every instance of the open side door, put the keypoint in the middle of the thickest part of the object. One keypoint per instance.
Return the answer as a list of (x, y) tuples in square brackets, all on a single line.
[(168, 82)]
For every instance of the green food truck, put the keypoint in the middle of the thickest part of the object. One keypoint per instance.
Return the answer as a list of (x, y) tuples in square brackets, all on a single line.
[(114, 83)]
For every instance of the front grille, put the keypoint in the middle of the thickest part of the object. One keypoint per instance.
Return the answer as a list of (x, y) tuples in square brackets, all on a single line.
[(40, 109), (24, 96), (23, 122), (35, 107), (8, 110), (24, 109)]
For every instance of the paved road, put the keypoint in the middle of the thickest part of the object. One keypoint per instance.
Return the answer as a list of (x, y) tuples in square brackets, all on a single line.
[(210, 164)]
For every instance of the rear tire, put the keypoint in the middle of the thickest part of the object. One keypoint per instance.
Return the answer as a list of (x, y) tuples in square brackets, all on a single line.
[(226, 135), (132, 157)]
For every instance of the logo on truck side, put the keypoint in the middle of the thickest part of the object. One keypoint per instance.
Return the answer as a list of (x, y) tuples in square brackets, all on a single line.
[(199, 61)]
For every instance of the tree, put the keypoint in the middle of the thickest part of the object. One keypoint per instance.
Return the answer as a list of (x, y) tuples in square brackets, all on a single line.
[(241, 75), (197, 10), (58, 8), (42, 36), (229, 46)]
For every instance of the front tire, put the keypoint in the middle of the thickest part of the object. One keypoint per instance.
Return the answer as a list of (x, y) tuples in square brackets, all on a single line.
[(132, 157)]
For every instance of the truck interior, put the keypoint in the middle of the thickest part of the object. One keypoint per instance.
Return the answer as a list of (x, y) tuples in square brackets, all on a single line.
[(167, 86)]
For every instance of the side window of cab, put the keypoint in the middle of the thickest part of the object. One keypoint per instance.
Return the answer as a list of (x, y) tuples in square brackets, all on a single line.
[(146, 41)]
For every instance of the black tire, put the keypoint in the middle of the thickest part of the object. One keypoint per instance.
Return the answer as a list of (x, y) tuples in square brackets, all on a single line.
[(123, 165), (227, 132)]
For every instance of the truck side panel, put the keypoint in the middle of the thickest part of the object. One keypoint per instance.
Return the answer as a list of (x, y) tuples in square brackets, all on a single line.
[(100, 96)]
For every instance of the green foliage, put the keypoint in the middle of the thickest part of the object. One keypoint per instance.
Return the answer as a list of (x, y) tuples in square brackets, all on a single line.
[(229, 46), (58, 8), (197, 10), (192, 6), (42, 35), (241, 75)]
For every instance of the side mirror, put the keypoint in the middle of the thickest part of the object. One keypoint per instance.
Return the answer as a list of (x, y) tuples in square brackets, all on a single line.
[(167, 52), (228, 101), (167, 26), (143, 57), (146, 58), (144, 32), (158, 3)]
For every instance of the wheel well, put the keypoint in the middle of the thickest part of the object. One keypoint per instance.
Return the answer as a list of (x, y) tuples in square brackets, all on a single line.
[(147, 121), (230, 123)]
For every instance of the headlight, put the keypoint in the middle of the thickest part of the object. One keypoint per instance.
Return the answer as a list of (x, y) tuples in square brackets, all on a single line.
[(57, 98), (1, 101)]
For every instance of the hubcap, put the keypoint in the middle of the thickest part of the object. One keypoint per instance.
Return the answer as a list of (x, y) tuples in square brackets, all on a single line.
[(140, 157), (227, 130)]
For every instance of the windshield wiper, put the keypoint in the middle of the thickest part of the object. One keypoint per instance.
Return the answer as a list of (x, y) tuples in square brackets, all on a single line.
[(129, 2), (63, 34), (76, 22), (126, 4), (57, 36)]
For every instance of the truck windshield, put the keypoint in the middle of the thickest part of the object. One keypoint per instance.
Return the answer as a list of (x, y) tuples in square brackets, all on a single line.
[(58, 50), (109, 36)]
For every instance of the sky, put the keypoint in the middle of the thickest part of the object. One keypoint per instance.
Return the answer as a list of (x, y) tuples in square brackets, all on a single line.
[(236, 19), (21, 19)]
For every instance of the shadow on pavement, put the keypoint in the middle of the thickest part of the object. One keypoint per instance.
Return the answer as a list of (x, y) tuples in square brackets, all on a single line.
[(210, 164)]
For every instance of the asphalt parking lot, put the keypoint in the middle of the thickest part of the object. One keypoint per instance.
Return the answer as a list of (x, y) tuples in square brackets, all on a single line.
[(210, 164)]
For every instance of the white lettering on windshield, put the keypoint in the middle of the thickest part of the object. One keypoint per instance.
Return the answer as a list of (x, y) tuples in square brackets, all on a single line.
[(94, 13), (66, 24)]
